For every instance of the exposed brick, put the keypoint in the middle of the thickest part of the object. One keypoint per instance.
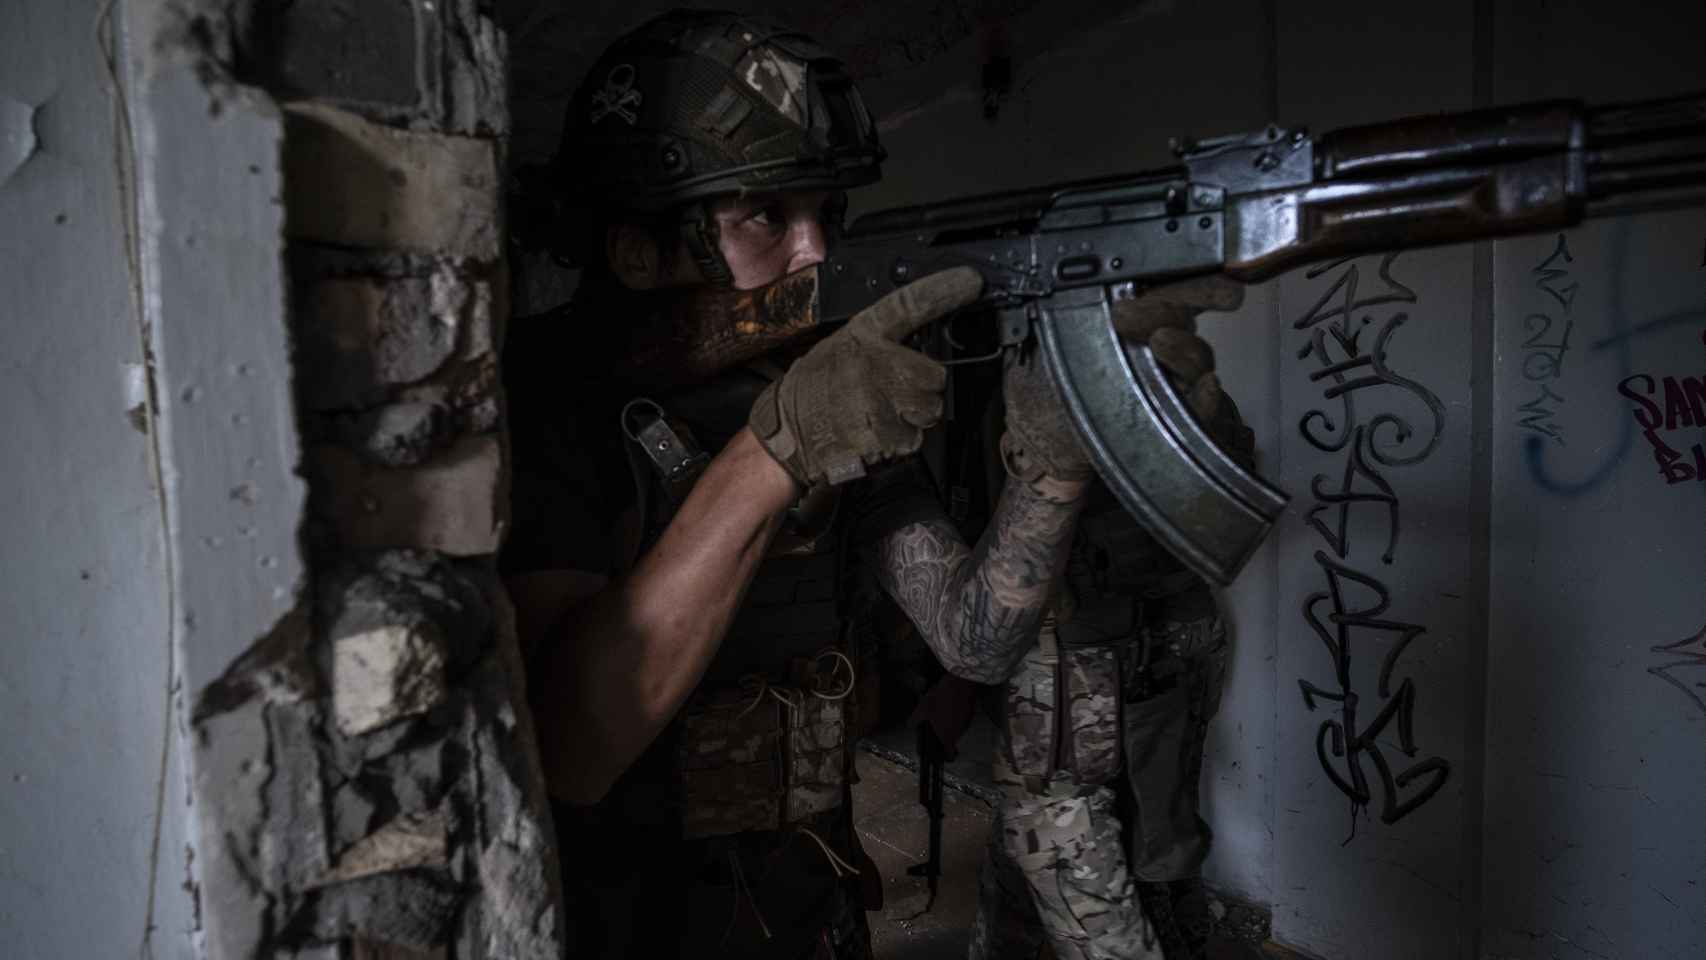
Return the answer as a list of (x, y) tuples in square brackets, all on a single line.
[(386, 673), (359, 336), (475, 78), (406, 842), (400, 434), (370, 950), (412, 908), (356, 51), (409, 588), (232, 774), (355, 183), (352, 812), (314, 951), (293, 845), (519, 916), (451, 504), (416, 778), (455, 295), (469, 390)]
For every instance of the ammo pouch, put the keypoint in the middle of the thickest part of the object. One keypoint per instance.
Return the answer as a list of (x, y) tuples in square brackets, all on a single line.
[(1090, 682), (1063, 710), (760, 757), (1185, 665), (731, 765)]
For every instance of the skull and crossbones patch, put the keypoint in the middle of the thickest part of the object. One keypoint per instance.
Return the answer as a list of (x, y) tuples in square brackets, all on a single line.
[(618, 96), (778, 78)]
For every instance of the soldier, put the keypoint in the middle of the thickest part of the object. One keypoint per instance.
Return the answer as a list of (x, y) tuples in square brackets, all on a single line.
[(1098, 844), (698, 622)]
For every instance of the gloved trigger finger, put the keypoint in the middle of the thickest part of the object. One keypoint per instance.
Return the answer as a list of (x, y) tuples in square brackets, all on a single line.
[(910, 308), (915, 370), (1213, 292)]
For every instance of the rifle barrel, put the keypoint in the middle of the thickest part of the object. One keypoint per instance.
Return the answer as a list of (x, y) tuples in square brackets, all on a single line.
[(1646, 156)]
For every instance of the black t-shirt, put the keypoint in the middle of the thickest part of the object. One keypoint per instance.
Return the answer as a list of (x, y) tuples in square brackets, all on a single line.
[(629, 876)]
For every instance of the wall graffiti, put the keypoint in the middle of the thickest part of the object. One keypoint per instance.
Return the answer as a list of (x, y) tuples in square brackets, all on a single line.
[(1688, 673), (1683, 408), (1548, 341), (1535, 446), (1657, 407), (1352, 360), (1662, 405)]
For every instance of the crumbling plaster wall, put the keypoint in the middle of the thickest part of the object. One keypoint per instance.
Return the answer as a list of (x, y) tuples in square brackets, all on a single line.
[(324, 289), (92, 836)]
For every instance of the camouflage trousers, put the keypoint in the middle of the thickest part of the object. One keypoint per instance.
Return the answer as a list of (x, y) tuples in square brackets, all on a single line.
[(1082, 857), (1055, 869)]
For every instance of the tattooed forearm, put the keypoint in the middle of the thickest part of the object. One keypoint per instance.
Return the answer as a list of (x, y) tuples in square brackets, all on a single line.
[(978, 609)]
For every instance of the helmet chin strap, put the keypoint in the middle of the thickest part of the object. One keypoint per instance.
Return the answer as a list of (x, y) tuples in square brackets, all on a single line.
[(699, 233)]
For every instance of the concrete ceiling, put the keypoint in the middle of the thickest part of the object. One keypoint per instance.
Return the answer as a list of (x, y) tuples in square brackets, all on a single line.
[(553, 42)]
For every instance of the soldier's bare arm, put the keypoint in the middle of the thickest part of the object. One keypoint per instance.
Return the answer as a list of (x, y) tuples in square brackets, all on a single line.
[(618, 665), (978, 608)]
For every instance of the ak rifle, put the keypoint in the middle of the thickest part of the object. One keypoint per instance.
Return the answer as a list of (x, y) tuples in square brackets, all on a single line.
[(1250, 205)]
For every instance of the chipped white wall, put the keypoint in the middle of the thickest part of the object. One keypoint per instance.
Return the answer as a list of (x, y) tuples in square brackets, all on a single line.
[(92, 839), (1596, 676), (211, 248)]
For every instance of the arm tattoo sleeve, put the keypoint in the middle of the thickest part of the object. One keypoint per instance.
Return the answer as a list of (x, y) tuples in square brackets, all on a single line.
[(979, 609)]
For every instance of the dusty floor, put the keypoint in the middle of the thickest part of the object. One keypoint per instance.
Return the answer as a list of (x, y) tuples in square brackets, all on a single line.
[(895, 832)]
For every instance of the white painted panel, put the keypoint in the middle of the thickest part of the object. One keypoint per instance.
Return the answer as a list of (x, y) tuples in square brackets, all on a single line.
[(1595, 774), (91, 810)]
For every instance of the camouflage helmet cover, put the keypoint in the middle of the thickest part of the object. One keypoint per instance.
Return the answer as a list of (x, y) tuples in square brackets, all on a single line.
[(697, 104)]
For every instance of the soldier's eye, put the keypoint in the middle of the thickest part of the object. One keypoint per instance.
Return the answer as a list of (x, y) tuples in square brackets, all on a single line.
[(769, 216)]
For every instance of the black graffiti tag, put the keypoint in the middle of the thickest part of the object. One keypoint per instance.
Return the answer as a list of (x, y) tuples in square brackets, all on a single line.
[(1685, 666), (1545, 347), (1353, 609)]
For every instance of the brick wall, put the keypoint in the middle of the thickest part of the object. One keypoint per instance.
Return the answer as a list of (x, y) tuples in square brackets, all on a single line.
[(369, 766)]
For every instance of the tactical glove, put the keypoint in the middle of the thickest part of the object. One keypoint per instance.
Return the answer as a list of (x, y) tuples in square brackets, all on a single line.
[(1166, 319), (1040, 438), (859, 397)]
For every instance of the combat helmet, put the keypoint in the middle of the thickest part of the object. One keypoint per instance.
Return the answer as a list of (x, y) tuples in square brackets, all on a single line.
[(694, 105)]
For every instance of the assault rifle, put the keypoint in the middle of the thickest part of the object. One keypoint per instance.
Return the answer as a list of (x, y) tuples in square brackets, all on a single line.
[(1251, 205), (932, 773)]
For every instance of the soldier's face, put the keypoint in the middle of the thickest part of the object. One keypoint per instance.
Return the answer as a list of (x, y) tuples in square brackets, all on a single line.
[(767, 236)]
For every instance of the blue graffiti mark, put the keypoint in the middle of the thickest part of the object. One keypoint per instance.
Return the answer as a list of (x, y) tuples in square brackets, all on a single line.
[(1691, 315), (1535, 450)]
